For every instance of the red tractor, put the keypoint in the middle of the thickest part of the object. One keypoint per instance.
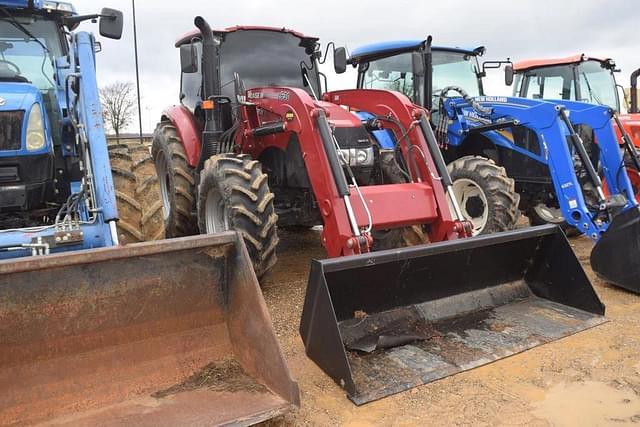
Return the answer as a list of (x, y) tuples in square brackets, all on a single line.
[(248, 160), (282, 154), (586, 79)]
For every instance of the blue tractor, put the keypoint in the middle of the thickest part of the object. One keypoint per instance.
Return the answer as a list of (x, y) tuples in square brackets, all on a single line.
[(508, 154), (61, 186)]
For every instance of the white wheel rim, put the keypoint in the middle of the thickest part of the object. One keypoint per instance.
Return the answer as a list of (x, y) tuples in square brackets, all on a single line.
[(549, 214), (215, 213), (469, 194), (163, 177)]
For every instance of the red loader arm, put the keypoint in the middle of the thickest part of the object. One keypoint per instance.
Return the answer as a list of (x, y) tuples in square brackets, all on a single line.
[(273, 114)]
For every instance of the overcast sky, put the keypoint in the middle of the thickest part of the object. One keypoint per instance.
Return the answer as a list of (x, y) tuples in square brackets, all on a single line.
[(516, 29)]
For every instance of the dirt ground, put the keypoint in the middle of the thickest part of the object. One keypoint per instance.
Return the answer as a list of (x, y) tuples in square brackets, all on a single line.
[(589, 379)]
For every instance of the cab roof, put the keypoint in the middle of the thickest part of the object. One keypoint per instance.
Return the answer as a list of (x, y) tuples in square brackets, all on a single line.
[(186, 38), (530, 64), (389, 48)]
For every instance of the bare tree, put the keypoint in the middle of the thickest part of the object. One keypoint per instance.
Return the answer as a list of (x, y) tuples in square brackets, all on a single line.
[(118, 105)]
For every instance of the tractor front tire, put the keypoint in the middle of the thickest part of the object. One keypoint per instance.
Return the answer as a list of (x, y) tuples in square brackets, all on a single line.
[(177, 183), (234, 195), (486, 195), (137, 193)]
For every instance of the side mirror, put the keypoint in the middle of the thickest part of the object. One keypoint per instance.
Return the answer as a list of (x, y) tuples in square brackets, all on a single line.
[(188, 59), (111, 22), (508, 75), (340, 60), (417, 64)]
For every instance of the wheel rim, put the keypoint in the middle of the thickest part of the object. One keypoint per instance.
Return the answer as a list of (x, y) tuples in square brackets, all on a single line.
[(473, 203), (215, 213), (549, 214), (163, 177)]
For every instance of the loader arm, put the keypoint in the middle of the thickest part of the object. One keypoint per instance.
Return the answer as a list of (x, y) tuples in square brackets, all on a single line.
[(281, 112), (545, 118), (604, 122), (613, 220), (86, 117), (395, 112)]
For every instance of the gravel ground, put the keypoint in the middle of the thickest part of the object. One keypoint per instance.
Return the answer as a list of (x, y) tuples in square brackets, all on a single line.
[(589, 379)]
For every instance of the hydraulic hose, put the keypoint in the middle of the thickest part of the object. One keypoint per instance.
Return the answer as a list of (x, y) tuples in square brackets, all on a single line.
[(467, 98)]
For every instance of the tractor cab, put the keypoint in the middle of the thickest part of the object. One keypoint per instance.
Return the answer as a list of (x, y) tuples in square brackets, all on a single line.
[(575, 78), (248, 57), (392, 66)]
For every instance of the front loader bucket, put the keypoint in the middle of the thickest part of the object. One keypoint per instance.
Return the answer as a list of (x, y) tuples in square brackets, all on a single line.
[(384, 322), (616, 256), (154, 334)]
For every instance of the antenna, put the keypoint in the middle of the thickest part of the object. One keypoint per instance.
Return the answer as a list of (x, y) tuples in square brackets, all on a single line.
[(135, 48)]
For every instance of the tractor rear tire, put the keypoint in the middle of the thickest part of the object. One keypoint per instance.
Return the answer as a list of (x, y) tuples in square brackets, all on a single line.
[(396, 237), (486, 195), (234, 195), (137, 193), (177, 182)]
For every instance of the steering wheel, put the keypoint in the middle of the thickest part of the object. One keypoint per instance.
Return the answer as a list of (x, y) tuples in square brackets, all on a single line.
[(474, 104), (10, 65)]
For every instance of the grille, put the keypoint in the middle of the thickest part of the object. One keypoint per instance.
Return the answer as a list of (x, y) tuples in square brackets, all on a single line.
[(11, 129)]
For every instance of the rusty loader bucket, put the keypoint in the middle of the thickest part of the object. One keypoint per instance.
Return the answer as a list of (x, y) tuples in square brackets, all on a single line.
[(169, 333), (384, 322)]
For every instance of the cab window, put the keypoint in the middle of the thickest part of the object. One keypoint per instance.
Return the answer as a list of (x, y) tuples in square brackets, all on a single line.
[(392, 73), (191, 83)]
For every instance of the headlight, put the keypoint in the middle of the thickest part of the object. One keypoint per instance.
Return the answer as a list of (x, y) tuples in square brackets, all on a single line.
[(358, 156), (35, 129), (362, 156)]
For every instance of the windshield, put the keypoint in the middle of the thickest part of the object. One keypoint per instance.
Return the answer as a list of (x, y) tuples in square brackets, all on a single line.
[(391, 73), (596, 84), (449, 69), (22, 58), (455, 69), (266, 58)]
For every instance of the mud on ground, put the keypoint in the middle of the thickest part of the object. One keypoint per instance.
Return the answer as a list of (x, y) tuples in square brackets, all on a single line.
[(589, 379)]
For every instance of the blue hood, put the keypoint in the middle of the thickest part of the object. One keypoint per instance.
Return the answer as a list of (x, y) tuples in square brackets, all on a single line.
[(18, 96)]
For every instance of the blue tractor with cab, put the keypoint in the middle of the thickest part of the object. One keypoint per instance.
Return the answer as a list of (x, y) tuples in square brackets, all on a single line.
[(508, 155), (62, 187)]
